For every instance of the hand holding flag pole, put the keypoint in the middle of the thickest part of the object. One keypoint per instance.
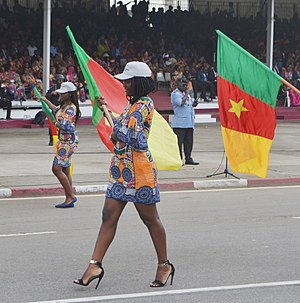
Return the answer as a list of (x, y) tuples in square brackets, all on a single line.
[(50, 117), (108, 116), (162, 140), (101, 103), (37, 92), (45, 107), (292, 87)]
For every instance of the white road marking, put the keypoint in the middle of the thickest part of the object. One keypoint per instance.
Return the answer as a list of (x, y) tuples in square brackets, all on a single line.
[(295, 217), (174, 292), (223, 189), (29, 234)]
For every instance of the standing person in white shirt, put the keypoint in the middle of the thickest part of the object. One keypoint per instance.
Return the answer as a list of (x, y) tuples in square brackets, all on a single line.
[(31, 49), (183, 122)]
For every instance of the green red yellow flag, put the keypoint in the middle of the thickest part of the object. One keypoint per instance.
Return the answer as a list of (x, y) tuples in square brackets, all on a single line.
[(162, 140), (247, 94)]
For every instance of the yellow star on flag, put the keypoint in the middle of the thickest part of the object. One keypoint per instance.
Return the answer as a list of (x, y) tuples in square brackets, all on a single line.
[(237, 107)]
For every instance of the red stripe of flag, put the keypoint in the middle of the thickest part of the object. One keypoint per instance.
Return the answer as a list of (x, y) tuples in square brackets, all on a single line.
[(259, 119)]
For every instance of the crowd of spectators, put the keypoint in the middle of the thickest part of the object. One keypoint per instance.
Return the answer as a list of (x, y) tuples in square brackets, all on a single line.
[(174, 43)]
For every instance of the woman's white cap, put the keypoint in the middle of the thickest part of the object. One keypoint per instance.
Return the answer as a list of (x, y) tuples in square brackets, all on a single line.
[(66, 87), (134, 69)]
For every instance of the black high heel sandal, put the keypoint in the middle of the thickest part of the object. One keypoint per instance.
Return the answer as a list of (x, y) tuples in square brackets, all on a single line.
[(99, 277), (157, 283)]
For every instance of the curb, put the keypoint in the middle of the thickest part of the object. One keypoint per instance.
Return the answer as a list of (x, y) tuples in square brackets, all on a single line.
[(192, 185), (230, 183)]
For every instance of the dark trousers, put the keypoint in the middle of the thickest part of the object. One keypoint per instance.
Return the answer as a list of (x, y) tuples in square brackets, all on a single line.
[(186, 138), (204, 87), (6, 103), (50, 135)]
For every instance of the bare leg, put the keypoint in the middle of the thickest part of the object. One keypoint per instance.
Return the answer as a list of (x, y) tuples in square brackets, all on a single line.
[(111, 213), (67, 172), (64, 181), (150, 217)]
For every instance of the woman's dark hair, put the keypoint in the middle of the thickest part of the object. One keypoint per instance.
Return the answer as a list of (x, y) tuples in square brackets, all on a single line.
[(143, 86), (74, 100)]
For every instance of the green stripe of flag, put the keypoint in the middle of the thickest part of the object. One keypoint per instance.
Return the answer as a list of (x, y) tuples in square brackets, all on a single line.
[(83, 60)]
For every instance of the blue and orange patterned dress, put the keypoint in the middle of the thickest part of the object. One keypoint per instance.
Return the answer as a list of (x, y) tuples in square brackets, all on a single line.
[(67, 135), (133, 173)]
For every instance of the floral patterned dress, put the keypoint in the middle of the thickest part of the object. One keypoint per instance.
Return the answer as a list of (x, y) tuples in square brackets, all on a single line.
[(133, 173), (67, 134)]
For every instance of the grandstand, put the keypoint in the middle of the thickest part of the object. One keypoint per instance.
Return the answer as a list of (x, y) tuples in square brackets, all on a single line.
[(165, 39)]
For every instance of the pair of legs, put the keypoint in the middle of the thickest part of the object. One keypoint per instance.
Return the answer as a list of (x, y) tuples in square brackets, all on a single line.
[(50, 137), (64, 177), (111, 213), (203, 87), (186, 138)]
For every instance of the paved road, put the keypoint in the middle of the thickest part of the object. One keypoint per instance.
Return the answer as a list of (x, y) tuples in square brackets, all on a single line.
[(216, 238)]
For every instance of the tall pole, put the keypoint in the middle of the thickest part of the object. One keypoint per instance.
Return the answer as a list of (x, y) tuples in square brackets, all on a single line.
[(270, 33), (46, 45)]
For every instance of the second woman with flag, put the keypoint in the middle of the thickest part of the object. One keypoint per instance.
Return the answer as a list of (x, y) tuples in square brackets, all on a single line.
[(66, 116)]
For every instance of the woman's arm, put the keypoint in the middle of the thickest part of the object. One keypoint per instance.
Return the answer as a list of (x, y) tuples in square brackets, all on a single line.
[(66, 121), (100, 102), (111, 119), (134, 132), (50, 104)]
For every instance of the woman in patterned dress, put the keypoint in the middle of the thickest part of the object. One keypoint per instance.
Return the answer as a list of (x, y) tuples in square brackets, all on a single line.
[(132, 175), (66, 116)]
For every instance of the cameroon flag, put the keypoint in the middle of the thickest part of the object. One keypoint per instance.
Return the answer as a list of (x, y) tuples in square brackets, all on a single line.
[(247, 94), (162, 140)]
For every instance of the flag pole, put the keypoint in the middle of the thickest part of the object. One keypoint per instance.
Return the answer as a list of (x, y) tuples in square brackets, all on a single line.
[(292, 87), (108, 116)]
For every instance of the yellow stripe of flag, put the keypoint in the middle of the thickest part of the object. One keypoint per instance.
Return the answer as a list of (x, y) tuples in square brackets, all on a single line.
[(248, 154), (163, 144)]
